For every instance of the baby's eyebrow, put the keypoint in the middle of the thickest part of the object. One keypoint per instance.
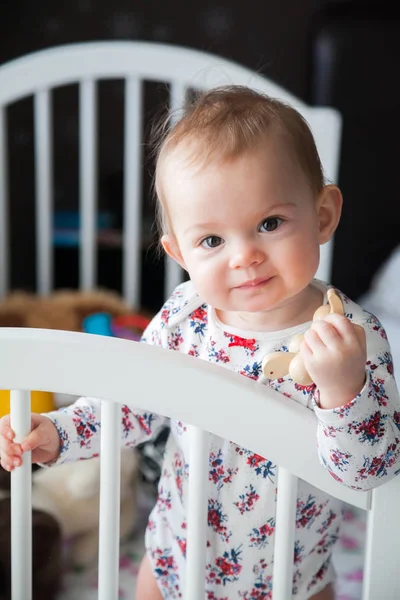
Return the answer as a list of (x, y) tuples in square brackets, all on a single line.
[(278, 206), (213, 225), (208, 226)]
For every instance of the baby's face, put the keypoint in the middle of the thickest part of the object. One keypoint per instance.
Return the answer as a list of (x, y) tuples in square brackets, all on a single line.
[(246, 230)]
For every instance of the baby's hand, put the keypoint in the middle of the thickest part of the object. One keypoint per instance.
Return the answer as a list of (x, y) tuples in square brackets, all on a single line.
[(334, 354), (43, 441)]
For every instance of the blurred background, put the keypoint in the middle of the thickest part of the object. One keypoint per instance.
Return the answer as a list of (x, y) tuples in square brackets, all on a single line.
[(336, 53), (339, 53)]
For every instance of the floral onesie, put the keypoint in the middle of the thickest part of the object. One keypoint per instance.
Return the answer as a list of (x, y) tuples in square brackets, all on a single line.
[(357, 443)]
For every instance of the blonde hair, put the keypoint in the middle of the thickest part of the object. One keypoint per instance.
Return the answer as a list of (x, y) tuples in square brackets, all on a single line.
[(226, 122)]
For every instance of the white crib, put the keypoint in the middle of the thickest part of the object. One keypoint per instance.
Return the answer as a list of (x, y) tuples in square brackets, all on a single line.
[(135, 62), (45, 360), (50, 360)]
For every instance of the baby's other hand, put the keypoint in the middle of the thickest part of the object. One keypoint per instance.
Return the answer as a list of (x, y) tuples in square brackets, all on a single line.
[(334, 353), (43, 441)]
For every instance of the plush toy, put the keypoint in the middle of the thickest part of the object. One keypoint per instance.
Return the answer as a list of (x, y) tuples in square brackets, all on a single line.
[(47, 550), (129, 327), (70, 493), (62, 309), (278, 364)]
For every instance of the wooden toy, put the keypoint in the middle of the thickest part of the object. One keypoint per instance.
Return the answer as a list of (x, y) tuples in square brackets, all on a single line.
[(279, 364)]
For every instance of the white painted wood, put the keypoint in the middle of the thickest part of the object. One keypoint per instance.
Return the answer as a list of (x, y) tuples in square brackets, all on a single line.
[(44, 192), (285, 529), (137, 61), (325, 263), (64, 65), (381, 573), (156, 62), (132, 192), (110, 492), (21, 502), (79, 364), (76, 364), (327, 129), (174, 274), (88, 185), (4, 245), (197, 512)]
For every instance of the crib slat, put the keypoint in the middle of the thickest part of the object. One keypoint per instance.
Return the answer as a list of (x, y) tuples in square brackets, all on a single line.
[(381, 570), (197, 516), (44, 192), (4, 245), (88, 184), (173, 272), (21, 503), (285, 528), (110, 482), (132, 192)]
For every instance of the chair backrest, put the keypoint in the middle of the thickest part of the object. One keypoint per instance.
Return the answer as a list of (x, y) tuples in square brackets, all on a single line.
[(79, 364), (135, 62)]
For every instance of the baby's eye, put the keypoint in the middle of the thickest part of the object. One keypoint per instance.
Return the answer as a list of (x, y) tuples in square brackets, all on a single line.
[(270, 224), (212, 241)]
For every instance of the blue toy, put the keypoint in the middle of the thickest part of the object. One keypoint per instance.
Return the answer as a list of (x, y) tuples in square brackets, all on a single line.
[(98, 323)]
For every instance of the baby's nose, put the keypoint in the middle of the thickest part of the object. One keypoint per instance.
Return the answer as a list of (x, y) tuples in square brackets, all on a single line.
[(246, 255)]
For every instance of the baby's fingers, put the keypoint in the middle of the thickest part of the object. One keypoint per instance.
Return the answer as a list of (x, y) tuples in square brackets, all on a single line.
[(322, 335), (360, 333), (8, 452), (351, 333), (11, 455), (5, 429), (33, 440), (343, 326)]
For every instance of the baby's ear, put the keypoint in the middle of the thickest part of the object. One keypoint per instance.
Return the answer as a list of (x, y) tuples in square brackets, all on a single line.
[(171, 247), (329, 206)]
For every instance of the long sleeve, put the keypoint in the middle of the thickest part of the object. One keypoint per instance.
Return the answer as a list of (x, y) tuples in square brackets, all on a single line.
[(359, 443), (79, 424)]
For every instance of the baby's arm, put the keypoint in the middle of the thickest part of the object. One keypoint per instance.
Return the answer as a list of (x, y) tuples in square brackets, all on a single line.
[(359, 443), (78, 425), (79, 428)]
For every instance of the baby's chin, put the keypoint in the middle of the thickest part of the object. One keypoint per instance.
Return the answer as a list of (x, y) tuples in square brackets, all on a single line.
[(251, 310), (256, 305), (233, 303)]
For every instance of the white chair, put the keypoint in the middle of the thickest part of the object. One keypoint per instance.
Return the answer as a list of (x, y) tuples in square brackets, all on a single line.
[(39, 73), (52, 360)]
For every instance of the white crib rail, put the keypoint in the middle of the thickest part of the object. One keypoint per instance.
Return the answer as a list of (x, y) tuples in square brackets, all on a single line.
[(174, 273), (135, 62), (196, 538), (46, 360), (381, 573), (132, 191), (88, 184), (110, 483), (44, 192), (4, 237), (285, 528), (21, 502)]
